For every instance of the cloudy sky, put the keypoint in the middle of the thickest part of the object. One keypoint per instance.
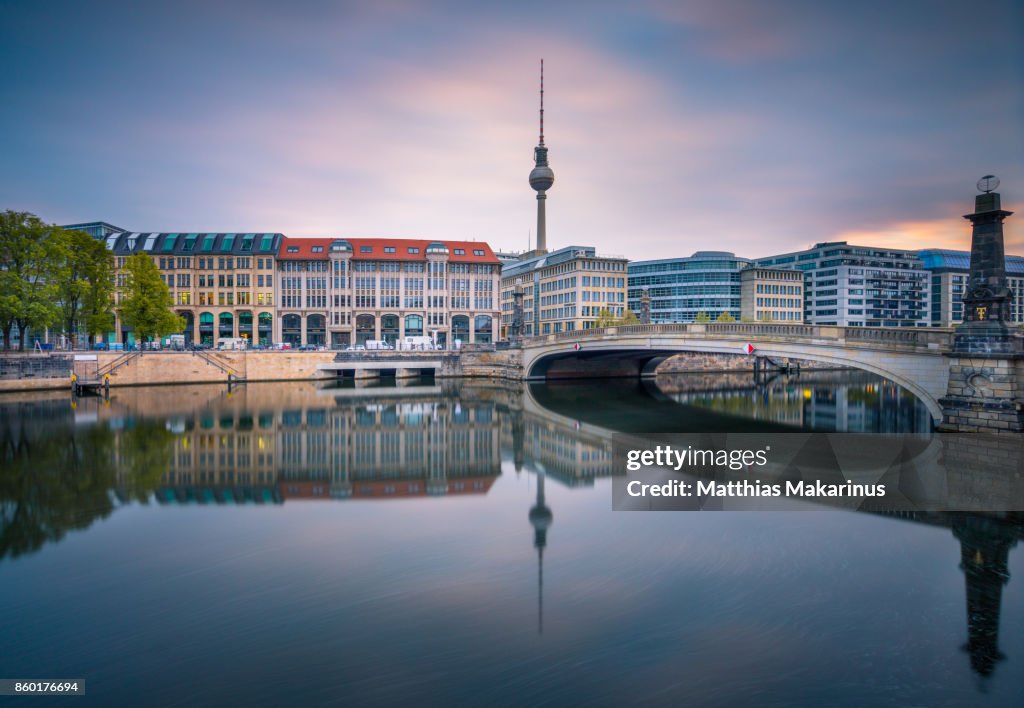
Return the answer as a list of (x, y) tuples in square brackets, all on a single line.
[(755, 127)]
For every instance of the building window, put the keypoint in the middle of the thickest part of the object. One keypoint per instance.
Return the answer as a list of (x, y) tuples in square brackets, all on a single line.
[(389, 249), (460, 251), (366, 249), (293, 249), (478, 252), (318, 249), (413, 249)]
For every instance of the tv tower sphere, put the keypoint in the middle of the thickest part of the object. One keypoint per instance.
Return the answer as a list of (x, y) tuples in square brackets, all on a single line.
[(541, 178)]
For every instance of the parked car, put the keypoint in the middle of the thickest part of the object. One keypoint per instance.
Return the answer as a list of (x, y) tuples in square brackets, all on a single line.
[(374, 344), (101, 347), (307, 348), (355, 348)]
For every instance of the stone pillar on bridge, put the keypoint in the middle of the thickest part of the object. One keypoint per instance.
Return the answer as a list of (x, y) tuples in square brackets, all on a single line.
[(645, 306), (987, 361), (515, 330)]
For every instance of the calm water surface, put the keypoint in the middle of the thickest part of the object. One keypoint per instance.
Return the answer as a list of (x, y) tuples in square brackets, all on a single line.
[(293, 544)]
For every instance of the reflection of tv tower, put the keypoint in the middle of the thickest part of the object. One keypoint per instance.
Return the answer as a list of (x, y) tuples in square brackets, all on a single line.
[(540, 518), (984, 546)]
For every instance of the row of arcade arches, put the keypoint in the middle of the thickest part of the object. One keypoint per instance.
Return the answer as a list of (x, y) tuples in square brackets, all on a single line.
[(210, 328)]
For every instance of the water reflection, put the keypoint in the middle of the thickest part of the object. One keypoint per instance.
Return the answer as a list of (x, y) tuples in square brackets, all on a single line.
[(58, 477), (325, 445), (984, 547), (842, 401), (64, 468)]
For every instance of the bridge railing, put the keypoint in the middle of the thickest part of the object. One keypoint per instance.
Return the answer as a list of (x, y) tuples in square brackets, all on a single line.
[(931, 338)]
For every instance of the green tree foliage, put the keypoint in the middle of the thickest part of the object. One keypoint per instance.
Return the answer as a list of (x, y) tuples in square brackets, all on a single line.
[(606, 319), (629, 317), (725, 317), (702, 317), (146, 305), (83, 278), (27, 294), (57, 477), (98, 304)]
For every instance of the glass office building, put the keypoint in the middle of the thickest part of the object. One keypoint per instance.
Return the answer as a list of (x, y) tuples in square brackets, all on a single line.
[(949, 271), (682, 288)]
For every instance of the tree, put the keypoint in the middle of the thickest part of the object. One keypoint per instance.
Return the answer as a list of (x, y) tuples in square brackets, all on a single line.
[(605, 318), (97, 305), (629, 317), (83, 272), (702, 317), (26, 260), (146, 305), (725, 317)]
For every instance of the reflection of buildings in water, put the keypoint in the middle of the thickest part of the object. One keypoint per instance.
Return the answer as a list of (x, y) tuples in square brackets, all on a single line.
[(777, 401), (844, 401), (570, 456), (400, 448), (880, 406)]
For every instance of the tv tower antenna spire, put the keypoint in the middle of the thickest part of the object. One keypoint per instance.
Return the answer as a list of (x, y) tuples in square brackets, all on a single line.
[(541, 177), (541, 101)]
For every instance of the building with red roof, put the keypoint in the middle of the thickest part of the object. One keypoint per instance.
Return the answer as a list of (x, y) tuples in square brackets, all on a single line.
[(338, 292)]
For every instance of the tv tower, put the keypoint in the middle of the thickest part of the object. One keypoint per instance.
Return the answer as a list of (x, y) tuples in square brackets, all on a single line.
[(541, 176)]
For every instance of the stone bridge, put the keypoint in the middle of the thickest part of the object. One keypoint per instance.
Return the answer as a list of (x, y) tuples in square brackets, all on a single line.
[(913, 358)]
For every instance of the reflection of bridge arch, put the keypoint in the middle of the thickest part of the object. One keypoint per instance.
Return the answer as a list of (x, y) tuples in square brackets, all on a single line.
[(911, 358)]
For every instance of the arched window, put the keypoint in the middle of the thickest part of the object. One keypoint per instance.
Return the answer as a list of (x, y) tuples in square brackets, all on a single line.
[(389, 328), (225, 326), (245, 326), (460, 328), (482, 329), (265, 328), (190, 327), (414, 325), (206, 328), (366, 328), (291, 330), (316, 330)]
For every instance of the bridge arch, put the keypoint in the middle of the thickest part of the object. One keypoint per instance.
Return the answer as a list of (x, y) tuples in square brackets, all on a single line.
[(911, 358)]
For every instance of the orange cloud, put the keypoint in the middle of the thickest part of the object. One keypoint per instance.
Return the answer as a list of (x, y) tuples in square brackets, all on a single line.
[(952, 233)]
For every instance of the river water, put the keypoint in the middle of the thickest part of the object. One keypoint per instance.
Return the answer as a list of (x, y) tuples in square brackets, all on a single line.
[(433, 543)]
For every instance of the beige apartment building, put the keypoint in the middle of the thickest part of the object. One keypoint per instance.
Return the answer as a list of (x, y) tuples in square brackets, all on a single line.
[(772, 294), (564, 290), (341, 292), (222, 283)]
